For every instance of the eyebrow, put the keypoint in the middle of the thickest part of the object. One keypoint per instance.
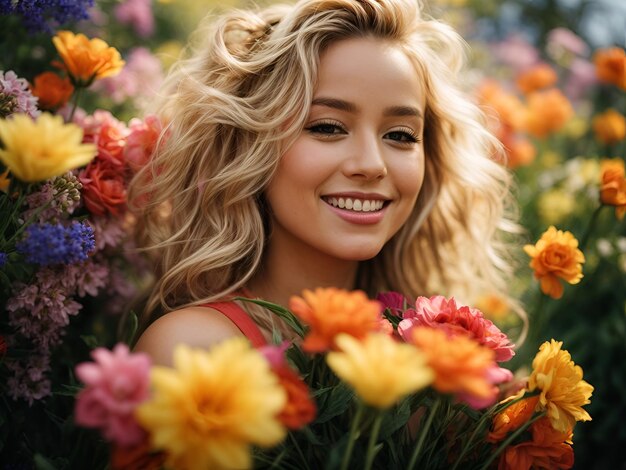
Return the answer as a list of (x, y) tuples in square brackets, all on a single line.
[(342, 105)]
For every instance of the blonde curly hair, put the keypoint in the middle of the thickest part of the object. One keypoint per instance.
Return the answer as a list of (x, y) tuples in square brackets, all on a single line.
[(241, 98)]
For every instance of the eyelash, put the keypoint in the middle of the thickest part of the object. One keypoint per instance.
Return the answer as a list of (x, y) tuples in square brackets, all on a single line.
[(411, 136)]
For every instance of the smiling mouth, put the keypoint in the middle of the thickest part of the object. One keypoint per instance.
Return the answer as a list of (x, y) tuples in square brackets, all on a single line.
[(355, 204)]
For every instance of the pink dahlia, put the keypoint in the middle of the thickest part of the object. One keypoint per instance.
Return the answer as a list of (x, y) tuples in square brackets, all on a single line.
[(439, 312), (116, 383)]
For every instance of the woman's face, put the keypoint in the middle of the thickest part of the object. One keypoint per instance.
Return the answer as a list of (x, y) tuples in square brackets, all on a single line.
[(351, 179)]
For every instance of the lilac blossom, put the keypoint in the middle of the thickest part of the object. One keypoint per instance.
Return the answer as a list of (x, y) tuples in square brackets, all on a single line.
[(15, 96), (28, 378)]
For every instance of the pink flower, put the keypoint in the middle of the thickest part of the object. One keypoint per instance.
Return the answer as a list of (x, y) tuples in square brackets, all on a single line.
[(138, 81), (394, 301), (137, 13), (104, 188), (116, 384), (564, 41), (109, 134), (439, 312), (516, 52), (141, 141), (17, 96)]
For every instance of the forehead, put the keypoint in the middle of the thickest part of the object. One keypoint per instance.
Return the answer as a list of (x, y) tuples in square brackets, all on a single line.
[(363, 68)]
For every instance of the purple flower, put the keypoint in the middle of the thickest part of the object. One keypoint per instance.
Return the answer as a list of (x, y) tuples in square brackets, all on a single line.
[(46, 244), (3, 258), (15, 96), (45, 15)]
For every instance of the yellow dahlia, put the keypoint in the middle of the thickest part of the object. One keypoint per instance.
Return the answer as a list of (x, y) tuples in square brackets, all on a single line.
[(563, 390), (380, 369), (213, 406), (35, 150)]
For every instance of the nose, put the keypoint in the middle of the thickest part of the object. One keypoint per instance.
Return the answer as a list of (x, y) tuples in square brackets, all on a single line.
[(365, 159)]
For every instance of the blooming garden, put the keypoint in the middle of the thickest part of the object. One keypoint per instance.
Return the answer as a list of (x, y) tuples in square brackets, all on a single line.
[(390, 382)]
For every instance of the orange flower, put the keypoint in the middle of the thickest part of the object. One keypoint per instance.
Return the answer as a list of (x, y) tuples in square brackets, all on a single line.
[(611, 66), (613, 186), (548, 111), (512, 417), (519, 151), (299, 410), (461, 365), (548, 449), (4, 181), (556, 255), (87, 59), (508, 109), (52, 90), (538, 77), (609, 127), (137, 457), (331, 311)]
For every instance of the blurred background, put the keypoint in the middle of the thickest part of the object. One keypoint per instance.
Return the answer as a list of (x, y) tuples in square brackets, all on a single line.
[(551, 76)]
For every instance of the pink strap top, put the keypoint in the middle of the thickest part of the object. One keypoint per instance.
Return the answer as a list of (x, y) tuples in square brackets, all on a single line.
[(242, 320)]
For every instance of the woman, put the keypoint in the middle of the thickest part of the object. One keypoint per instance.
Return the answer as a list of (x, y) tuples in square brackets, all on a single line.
[(323, 144)]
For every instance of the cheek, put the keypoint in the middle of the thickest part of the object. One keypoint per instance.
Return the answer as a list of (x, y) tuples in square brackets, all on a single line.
[(410, 177)]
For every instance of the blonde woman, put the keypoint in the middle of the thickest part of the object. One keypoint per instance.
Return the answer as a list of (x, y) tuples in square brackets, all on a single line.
[(322, 144)]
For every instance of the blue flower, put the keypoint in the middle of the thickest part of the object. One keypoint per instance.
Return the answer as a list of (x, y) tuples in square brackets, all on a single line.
[(46, 244), (45, 15), (3, 258)]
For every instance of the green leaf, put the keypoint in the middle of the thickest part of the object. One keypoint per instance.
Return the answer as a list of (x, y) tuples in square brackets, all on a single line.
[(395, 419), (333, 402), (41, 463), (282, 312)]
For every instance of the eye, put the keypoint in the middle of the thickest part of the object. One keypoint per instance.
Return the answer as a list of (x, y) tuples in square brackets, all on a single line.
[(403, 136), (326, 128)]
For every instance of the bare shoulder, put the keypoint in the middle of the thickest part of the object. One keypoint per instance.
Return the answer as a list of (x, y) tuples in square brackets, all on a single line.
[(199, 327)]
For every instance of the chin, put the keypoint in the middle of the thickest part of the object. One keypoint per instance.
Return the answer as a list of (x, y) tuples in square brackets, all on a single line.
[(359, 253)]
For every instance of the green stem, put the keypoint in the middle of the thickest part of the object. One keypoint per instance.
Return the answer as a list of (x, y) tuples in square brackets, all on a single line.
[(423, 433), (510, 439), (479, 426), (295, 443), (77, 96), (369, 457), (352, 437), (590, 227)]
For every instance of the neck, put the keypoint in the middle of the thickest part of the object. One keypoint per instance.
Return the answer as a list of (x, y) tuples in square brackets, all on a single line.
[(292, 268)]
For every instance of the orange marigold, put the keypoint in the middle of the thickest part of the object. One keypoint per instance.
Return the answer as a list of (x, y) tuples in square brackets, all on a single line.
[(556, 255), (560, 381), (613, 185), (609, 127), (548, 111), (549, 449), (461, 365), (536, 78), (87, 59), (52, 90), (611, 66), (330, 311), (513, 416)]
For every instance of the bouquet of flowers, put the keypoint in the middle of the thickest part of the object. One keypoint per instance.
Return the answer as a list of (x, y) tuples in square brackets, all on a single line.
[(64, 234), (369, 384)]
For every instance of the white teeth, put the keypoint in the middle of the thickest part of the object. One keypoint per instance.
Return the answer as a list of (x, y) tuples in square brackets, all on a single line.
[(357, 205)]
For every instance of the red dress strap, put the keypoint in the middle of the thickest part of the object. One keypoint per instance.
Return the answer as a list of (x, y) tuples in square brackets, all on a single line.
[(242, 320)]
